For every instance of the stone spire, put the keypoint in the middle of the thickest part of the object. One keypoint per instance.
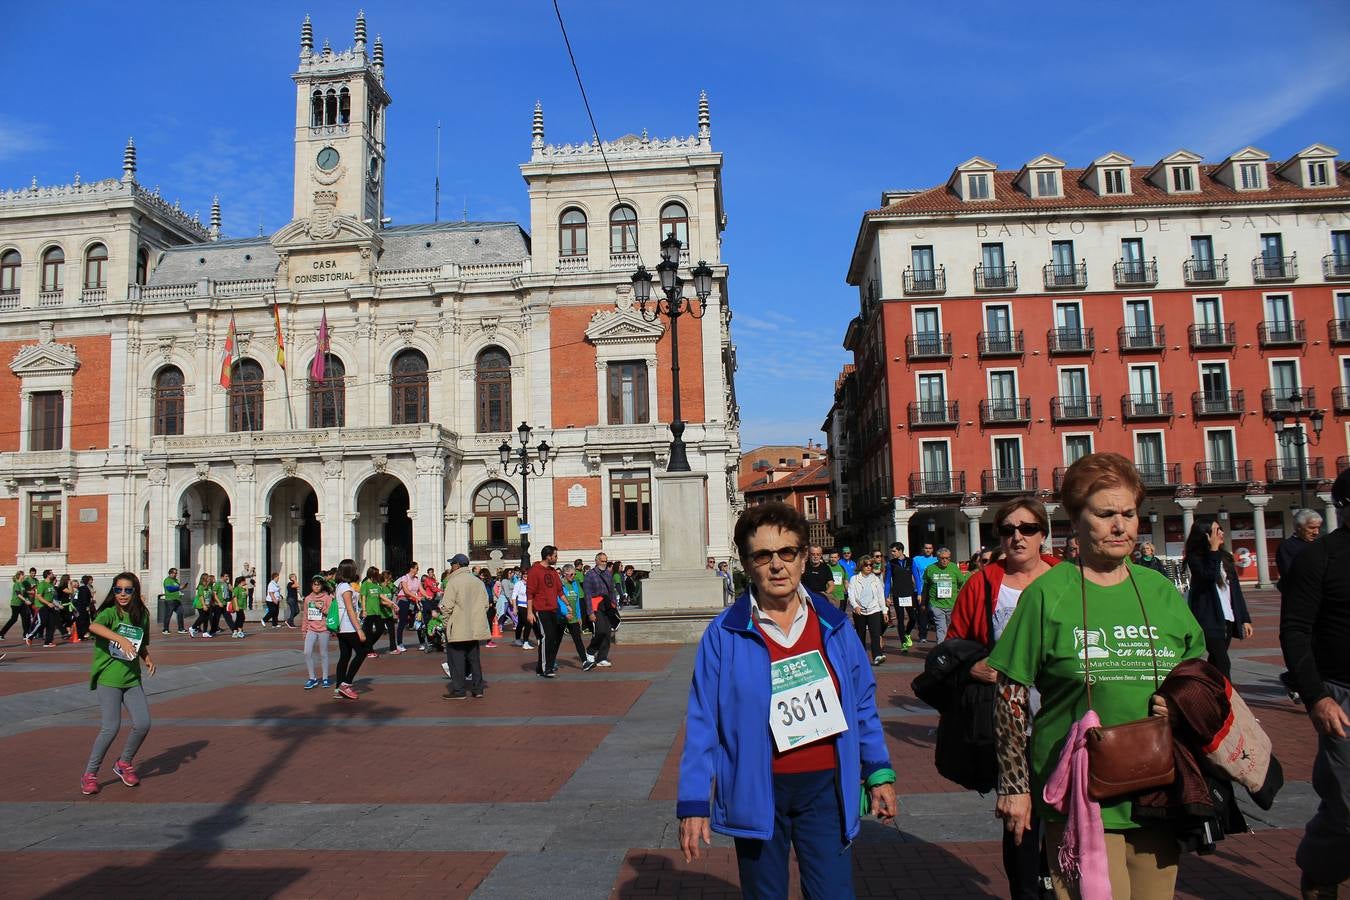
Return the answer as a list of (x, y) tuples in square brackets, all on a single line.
[(215, 218), (704, 121), (378, 59), (306, 39), (129, 162), (537, 128), (360, 31)]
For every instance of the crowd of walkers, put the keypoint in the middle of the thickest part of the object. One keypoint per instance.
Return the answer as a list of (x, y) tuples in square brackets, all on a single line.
[(45, 606)]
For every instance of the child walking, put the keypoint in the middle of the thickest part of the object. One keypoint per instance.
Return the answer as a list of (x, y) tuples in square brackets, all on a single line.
[(121, 630), (315, 629)]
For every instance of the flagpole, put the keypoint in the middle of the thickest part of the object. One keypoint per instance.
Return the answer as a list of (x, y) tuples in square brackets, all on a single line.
[(285, 374)]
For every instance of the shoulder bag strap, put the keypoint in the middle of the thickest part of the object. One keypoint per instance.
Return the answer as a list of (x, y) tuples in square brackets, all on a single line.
[(1087, 677), (1148, 631)]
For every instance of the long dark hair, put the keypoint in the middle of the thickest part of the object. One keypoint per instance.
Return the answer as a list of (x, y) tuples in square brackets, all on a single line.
[(136, 608), (1197, 542)]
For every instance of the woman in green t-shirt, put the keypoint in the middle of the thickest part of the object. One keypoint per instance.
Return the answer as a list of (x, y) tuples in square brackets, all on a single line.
[(201, 602), (372, 608), (121, 630), (388, 609), (1136, 622), (238, 602)]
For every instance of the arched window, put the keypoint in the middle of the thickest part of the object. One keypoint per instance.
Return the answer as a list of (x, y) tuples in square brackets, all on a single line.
[(142, 266), (344, 107), (623, 230), (169, 400), (330, 107), (408, 388), (328, 398), (675, 219), (96, 267), (493, 381), (53, 269), (572, 233), (316, 109), (10, 263), (246, 396), (496, 520)]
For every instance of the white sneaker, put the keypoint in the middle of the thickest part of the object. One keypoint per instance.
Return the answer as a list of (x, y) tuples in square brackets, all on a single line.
[(590, 658), (527, 646), (604, 664), (445, 667)]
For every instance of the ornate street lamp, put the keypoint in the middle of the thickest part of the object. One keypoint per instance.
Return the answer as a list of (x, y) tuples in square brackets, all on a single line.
[(1292, 434), (516, 461), (673, 306)]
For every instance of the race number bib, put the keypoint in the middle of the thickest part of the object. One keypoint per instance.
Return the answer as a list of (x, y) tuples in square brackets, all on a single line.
[(944, 590), (838, 578), (133, 634), (313, 613), (904, 601), (804, 705)]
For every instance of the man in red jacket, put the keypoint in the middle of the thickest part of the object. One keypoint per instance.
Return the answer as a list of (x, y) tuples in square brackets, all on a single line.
[(543, 587)]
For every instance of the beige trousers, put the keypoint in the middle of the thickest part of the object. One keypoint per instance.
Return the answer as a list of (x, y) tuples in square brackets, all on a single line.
[(1142, 863)]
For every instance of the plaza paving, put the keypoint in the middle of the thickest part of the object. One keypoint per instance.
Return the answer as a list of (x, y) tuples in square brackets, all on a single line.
[(253, 787)]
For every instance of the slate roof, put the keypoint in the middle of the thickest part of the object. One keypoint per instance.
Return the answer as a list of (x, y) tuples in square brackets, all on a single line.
[(405, 247)]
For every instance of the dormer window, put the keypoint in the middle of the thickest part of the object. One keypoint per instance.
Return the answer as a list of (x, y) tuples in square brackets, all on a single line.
[(1183, 179), (1114, 181), (1250, 176), (977, 187), (1047, 184), (1317, 174)]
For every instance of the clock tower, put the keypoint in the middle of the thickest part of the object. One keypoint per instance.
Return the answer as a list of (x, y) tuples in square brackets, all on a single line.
[(339, 133)]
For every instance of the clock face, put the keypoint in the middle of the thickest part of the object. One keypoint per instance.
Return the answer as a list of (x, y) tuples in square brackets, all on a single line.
[(327, 159)]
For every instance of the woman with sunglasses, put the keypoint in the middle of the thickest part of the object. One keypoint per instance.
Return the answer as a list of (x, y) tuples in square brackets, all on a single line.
[(121, 630), (782, 655), (1215, 597), (982, 611)]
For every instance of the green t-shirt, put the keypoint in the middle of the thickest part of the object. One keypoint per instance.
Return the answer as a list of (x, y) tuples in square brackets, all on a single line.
[(1042, 646), (201, 597), (240, 593), (221, 591), (108, 669), (839, 585), (575, 597), (370, 598), (387, 593), (172, 590), (46, 591), (941, 585), (16, 597)]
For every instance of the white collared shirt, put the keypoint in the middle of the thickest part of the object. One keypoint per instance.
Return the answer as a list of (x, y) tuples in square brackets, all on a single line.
[(771, 628)]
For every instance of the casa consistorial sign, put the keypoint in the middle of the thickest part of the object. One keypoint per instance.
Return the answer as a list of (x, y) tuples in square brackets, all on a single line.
[(328, 270)]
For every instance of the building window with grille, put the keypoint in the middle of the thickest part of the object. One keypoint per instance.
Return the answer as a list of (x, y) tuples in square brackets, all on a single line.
[(44, 523), (96, 267), (53, 270), (142, 266), (630, 501), (572, 233), (246, 396), (623, 230), (408, 389), (46, 421), (496, 519), (328, 397), (675, 220), (1114, 180), (628, 393), (10, 264), (493, 383), (169, 401)]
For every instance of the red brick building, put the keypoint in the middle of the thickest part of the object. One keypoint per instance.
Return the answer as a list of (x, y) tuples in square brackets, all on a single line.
[(805, 487)]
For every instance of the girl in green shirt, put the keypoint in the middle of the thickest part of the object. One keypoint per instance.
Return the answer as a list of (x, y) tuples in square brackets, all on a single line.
[(238, 603), (201, 602), (372, 608), (121, 631), (389, 608)]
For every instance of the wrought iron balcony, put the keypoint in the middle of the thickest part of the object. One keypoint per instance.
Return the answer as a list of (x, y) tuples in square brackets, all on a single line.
[(1284, 333), (926, 281), (933, 413), (1271, 401), (1213, 336), (1001, 343), (1139, 338), (929, 345), (1284, 471), (1147, 406), (1076, 408), (1218, 403), (1336, 265), (1227, 473), (1275, 268), (1159, 475), (1008, 481), (1338, 331), (1205, 271), (1003, 411), (996, 278), (937, 484), (1340, 400), (1059, 276), (1065, 340), (1130, 272)]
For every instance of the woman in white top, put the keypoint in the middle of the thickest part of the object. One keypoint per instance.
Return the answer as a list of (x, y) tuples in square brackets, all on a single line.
[(351, 639), (867, 599)]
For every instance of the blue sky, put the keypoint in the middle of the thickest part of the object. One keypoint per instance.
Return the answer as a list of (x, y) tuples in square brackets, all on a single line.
[(817, 108)]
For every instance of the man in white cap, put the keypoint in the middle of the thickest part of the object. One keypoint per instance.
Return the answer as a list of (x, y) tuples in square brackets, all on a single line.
[(465, 626)]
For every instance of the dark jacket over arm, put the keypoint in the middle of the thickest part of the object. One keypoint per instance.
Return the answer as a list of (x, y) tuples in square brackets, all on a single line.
[(1315, 615)]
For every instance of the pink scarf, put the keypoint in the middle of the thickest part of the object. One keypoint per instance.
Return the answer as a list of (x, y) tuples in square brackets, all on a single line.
[(1082, 853)]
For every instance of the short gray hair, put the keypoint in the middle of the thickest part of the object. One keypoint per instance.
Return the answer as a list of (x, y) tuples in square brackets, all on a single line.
[(942, 550), (1306, 516)]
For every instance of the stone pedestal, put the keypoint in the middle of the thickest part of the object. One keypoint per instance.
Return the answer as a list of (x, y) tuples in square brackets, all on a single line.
[(683, 581)]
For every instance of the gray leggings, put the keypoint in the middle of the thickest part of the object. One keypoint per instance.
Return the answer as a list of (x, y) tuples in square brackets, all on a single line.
[(110, 702), (321, 639)]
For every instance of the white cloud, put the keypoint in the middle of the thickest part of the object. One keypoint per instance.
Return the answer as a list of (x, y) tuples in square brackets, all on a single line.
[(20, 138)]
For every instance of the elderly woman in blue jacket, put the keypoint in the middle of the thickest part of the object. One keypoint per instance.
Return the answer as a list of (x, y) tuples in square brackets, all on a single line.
[(783, 746)]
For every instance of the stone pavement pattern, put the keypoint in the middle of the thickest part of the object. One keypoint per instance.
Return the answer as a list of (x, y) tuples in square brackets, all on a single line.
[(560, 789)]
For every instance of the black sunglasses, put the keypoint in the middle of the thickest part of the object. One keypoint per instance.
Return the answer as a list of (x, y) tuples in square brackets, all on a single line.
[(1026, 529), (118, 589)]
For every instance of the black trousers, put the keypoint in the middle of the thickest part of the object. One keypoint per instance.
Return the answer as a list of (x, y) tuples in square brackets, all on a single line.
[(21, 614), (203, 619), (351, 653), (49, 619), (373, 626), (463, 657), (603, 636), (172, 608), (550, 625), (522, 624), (1025, 865), (271, 614), (292, 610), (872, 623), (1216, 642), (574, 629)]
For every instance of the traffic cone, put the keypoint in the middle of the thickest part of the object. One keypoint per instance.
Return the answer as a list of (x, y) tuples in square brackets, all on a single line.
[(496, 628), (74, 632)]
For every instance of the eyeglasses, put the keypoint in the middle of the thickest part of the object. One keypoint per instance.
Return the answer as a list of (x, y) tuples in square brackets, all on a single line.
[(786, 554), (1026, 529), (123, 590)]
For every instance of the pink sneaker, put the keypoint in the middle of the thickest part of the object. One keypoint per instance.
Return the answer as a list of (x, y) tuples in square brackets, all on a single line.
[(372, 655), (346, 691), (89, 783), (125, 772), (492, 643)]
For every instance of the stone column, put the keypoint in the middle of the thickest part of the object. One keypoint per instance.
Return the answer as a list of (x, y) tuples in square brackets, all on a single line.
[(1188, 505), (682, 581), (163, 522), (247, 536), (428, 513), (1258, 503), (336, 535), (900, 517), (1330, 521), (973, 514)]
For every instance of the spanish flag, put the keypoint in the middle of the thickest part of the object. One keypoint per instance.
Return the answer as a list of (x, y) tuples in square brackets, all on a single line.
[(281, 343), (227, 359)]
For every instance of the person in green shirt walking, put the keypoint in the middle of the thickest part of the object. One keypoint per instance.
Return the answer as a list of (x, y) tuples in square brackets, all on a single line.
[(373, 608), (201, 602), (838, 581), (238, 602), (173, 601), (19, 609), (44, 599), (942, 581), (121, 631)]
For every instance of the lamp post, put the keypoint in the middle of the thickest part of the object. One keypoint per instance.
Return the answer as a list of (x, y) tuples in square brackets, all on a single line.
[(673, 306), (523, 467), (1292, 434)]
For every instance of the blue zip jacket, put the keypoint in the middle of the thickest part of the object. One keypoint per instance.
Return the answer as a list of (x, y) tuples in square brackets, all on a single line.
[(727, 738)]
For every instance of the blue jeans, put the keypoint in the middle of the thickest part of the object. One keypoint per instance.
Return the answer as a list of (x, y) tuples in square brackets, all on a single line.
[(807, 817)]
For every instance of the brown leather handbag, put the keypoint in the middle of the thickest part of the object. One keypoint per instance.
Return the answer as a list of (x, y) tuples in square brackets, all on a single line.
[(1133, 756)]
